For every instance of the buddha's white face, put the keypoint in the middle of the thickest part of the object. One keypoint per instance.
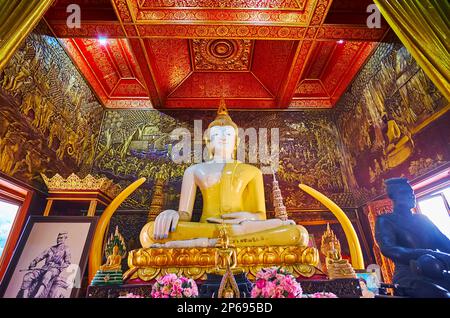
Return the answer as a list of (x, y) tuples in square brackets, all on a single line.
[(222, 140)]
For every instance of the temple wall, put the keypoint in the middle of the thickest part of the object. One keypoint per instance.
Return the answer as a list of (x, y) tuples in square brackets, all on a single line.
[(392, 84), (49, 117)]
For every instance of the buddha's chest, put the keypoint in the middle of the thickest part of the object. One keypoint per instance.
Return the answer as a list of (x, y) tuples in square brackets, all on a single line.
[(215, 175), (208, 175)]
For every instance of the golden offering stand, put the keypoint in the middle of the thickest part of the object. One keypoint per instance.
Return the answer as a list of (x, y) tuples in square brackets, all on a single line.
[(90, 189)]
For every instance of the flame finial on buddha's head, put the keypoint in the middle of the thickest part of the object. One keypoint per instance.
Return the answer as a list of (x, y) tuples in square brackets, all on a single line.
[(223, 118)]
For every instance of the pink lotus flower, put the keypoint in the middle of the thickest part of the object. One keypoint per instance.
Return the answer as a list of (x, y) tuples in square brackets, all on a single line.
[(172, 286), (275, 283), (260, 283)]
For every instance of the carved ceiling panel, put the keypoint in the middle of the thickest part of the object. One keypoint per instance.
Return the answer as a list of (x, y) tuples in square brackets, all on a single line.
[(221, 54), (191, 53)]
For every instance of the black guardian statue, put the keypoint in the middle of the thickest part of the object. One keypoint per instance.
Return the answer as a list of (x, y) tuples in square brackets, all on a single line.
[(420, 251)]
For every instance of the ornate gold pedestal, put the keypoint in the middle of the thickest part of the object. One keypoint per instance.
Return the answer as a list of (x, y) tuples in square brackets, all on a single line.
[(151, 263)]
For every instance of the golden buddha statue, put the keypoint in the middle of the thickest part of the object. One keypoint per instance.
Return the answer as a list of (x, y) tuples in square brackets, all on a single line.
[(114, 261), (225, 256), (110, 273), (233, 194), (335, 265)]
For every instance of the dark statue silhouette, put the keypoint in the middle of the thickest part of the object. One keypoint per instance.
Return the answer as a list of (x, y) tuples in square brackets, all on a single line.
[(420, 251)]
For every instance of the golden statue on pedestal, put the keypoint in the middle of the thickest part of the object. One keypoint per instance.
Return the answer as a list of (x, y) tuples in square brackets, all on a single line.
[(110, 273), (233, 193), (335, 265), (113, 262), (233, 199)]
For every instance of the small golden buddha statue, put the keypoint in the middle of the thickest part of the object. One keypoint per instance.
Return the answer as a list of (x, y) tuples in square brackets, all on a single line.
[(225, 256), (110, 273), (335, 265), (233, 194), (113, 262)]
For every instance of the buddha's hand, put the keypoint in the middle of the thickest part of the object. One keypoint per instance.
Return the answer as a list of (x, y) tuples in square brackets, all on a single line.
[(165, 222), (241, 216)]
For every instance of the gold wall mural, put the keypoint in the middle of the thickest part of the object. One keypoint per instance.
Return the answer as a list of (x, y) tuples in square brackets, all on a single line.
[(50, 119), (392, 121), (137, 143)]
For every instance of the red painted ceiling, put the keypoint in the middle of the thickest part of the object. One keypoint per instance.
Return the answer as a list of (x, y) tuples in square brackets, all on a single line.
[(189, 54)]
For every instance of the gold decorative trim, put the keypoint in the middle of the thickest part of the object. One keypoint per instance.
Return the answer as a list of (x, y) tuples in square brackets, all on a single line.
[(195, 263), (74, 183)]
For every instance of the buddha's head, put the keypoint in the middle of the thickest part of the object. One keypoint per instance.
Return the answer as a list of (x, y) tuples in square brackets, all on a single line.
[(401, 193), (221, 137), (115, 250)]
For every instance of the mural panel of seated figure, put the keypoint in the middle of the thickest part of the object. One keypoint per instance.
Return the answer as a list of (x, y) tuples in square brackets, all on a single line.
[(233, 194), (421, 253)]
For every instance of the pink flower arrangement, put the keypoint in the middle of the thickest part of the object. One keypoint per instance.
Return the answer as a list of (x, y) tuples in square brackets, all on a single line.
[(275, 282), (131, 295), (172, 286)]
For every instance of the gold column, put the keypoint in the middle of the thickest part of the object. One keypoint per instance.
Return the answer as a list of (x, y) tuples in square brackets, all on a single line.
[(423, 26), (17, 19)]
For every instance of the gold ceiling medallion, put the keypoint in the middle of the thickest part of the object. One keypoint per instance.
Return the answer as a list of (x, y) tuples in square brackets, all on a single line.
[(222, 55)]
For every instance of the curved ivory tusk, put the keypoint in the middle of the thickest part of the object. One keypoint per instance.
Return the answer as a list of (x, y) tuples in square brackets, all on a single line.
[(95, 254), (349, 230)]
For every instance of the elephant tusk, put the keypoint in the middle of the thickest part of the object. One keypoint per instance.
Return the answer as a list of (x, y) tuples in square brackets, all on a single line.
[(95, 254), (350, 233)]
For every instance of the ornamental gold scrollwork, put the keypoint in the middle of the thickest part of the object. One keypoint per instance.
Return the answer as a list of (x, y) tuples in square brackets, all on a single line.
[(148, 264), (74, 182)]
